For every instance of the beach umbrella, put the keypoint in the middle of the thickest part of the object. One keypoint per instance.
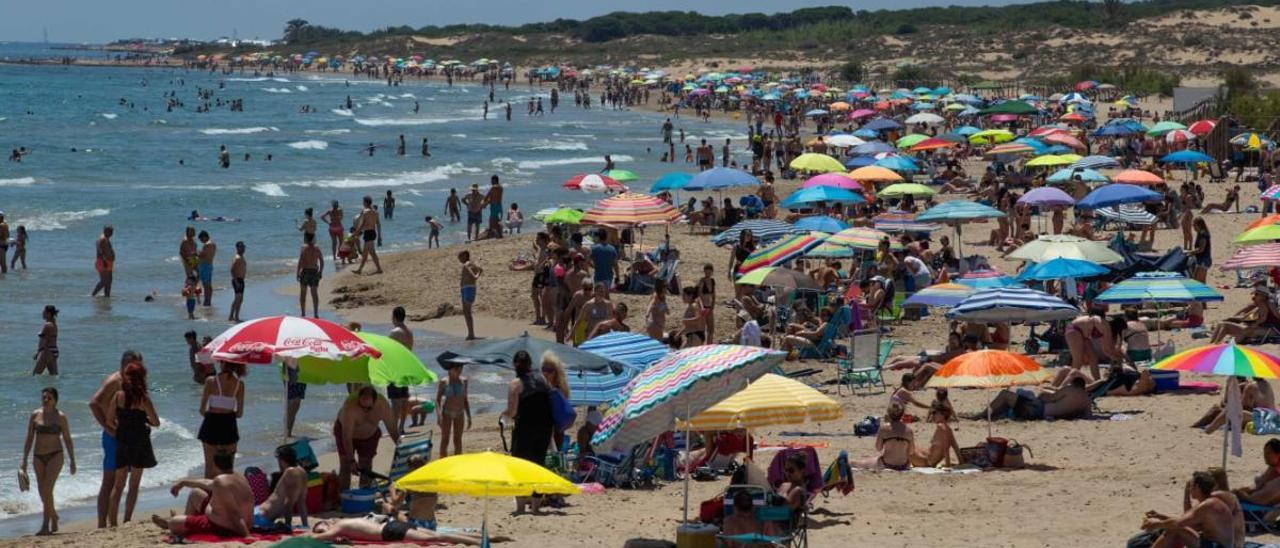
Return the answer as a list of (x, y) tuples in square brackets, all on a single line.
[(988, 369), (931, 144), (1164, 127), (820, 194), (1272, 219), (1260, 235), (816, 112), (397, 365), (1061, 268), (966, 131), (1116, 194), (1096, 162), (902, 221), (860, 161), (991, 136), (772, 400), (592, 182), (858, 238), (898, 190), (987, 279), (837, 180), (781, 252), (1185, 157), (816, 163), (1062, 138), (1068, 174), (1271, 193), (844, 140), (942, 295), (1048, 197), (873, 147), (1009, 148), (881, 124), (1202, 127), (498, 352), (1251, 141), (776, 276), (634, 350), (562, 215), (1012, 305), (821, 223), (1262, 256), (1134, 214), (261, 341), (720, 178), (1039, 146), (764, 231), (486, 475), (1052, 246), (900, 164), (861, 113), (1229, 360), (909, 140), (1047, 160), (958, 211), (1166, 287), (874, 174), (672, 181), (1010, 107), (679, 387), (1179, 137), (839, 106), (925, 118), (622, 175), (631, 209)]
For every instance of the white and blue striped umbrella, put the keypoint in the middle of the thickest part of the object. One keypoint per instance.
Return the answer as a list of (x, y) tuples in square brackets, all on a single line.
[(1096, 162), (1134, 214), (1012, 305), (636, 352), (764, 230), (958, 210), (1166, 287)]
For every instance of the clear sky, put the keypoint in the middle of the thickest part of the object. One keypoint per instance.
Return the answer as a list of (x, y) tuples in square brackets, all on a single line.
[(105, 20)]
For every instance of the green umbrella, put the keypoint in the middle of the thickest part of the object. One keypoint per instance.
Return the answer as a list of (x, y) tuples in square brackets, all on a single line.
[(910, 140), (902, 189), (1163, 128), (397, 366), (564, 216), (622, 175)]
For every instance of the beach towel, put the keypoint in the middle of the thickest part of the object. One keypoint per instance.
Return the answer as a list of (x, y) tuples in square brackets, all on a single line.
[(839, 476), (215, 539), (812, 469)]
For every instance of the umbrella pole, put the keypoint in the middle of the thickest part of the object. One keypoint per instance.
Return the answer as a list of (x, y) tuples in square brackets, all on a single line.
[(687, 446), (1226, 434)]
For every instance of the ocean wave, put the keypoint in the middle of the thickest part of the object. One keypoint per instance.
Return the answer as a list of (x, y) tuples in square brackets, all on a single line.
[(327, 131), (409, 178), (262, 79), (309, 145), (237, 131), (300, 88), (547, 144), (343, 112), (536, 164), (458, 135), (377, 122), (20, 181), (277, 90), (407, 96), (57, 220), (110, 116), (270, 189)]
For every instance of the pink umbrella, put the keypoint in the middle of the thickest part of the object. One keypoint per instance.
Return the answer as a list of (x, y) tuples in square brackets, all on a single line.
[(1254, 256), (700, 91), (1202, 127), (1004, 118), (837, 180), (861, 113), (262, 340), (1063, 139), (592, 182), (1046, 130)]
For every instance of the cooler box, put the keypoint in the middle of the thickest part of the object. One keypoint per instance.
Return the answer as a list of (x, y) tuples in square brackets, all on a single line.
[(1166, 381), (357, 501), (696, 535), (319, 487)]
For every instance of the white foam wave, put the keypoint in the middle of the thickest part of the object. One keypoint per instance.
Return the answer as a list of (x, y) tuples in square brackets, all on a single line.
[(20, 181), (536, 164), (110, 116), (407, 96), (237, 131), (547, 144), (277, 90), (327, 131), (270, 189), (458, 135), (409, 178), (263, 79), (300, 88), (57, 220), (404, 121), (309, 145), (280, 80), (343, 112)]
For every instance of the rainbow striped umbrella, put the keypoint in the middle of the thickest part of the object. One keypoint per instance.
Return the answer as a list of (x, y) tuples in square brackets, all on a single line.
[(901, 221), (1010, 148), (860, 238), (1223, 359), (945, 294), (782, 251), (629, 209)]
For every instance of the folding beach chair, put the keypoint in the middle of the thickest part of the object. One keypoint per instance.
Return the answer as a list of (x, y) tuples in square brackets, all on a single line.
[(1256, 520), (837, 328), (769, 508), (410, 444), (628, 470), (866, 366)]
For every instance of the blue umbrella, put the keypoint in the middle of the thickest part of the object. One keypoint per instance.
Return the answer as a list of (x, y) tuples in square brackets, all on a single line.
[(859, 161), (1115, 194), (1062, 267), (764, 230), (1040, 147), (633, 350), (873, 147), (1186, 157), (720, 178), (1012, 305), (958, 210), (1066, 174), (866, 133), (671, 181), (898, 163), (811, 195), (821, 223), (816, 112), (1096, 162), (881, 124), (966, 130), (988, 279)]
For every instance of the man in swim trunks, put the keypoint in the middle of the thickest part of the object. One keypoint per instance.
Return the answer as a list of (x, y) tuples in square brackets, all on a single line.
[(239, 268), (475, 211), (494, 199), (467, 279), (356, 432), (453, 206), (222, 506), (399, 395), (205, 265), (187, 253), (4, 244), (359, 529), (369, 227), (309, 269), (1207, 524), (289, 497), (98, 406), (104, 262)]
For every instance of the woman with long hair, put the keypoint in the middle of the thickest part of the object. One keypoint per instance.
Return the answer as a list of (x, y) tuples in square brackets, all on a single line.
[(131, 415), (221, 405), (49, 435), (553, 373), (529, 406)]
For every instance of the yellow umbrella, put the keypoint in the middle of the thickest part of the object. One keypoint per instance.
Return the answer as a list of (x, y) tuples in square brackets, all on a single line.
[(1047, 160), (817, 163), (771, 400), (874, 174)]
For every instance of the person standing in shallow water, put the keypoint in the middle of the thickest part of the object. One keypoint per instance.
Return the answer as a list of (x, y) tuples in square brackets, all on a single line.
[(368, 227), (49, 435), (239, 269), (310, 269), (46, 356), (104, 262)]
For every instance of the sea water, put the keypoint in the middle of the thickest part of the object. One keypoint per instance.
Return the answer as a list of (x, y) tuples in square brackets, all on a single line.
[(104, 150)]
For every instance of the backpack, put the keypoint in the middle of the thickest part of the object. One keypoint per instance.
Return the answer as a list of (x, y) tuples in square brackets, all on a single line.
[(258, 483), (868, 426)]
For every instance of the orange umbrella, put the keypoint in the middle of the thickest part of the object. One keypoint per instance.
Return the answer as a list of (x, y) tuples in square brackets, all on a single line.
[(838, 106), (1268, 220), (931, 144), (988, 369), (1137, 177), (874, 174)]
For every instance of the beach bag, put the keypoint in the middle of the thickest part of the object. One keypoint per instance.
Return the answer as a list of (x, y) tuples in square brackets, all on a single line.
[(1266, 422), (997, 448), (1145, 539), (976, 455), (1013, 455), (258, 483), (562, 413), (868, 426)]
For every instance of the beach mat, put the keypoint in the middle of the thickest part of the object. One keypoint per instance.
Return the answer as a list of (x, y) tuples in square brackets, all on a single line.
[(215, 539)]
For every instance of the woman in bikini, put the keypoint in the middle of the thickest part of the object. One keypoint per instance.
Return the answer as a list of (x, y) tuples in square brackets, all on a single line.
[(895, 441), (944, 439), (1258, 319), (693, 322), (1087, 336), (454, 410), (49, 435), (46, 356), (598, 309), (707, 294), (333, 218), (655, 319), (221, 404)]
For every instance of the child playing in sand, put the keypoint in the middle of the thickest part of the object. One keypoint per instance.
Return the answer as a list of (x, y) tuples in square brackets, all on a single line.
[(453, 410), (435, 231), (191, 291)]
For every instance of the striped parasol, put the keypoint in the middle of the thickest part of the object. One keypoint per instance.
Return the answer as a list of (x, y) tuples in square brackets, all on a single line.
[(858, 237), (630, 209), (946, 294), (781, 252), (1271, 193), (901, 221), (1010, 148), (1262, 256), (1223, 359), (1012, 305), (1134, 214), (764, 231), (1096, 162), (772, 400), (986, 279), (593, 182), (635, 351), (1165, 287)]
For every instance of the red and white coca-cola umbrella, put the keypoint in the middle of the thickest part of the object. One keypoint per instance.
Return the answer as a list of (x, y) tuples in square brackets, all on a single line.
[(591, 182), (263, 340)]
